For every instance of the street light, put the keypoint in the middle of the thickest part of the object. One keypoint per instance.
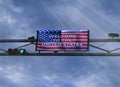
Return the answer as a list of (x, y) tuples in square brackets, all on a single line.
[(113, 35)]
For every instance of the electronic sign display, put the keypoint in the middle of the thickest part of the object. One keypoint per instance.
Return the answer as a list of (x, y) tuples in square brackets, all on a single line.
[(56, 40)]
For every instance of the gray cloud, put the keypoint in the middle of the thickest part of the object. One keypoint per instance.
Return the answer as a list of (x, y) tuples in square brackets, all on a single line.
[(20, 19)]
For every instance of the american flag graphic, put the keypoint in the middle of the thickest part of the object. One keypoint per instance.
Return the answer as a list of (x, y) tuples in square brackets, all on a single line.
[(62, 40)]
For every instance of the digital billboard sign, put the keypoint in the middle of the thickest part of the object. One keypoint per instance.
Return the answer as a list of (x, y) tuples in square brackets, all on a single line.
[(56, 40)]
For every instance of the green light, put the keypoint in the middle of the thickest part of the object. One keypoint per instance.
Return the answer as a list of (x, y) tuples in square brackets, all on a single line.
[(21, 51)]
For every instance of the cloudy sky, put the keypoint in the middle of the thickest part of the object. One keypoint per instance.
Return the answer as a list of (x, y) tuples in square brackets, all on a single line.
[(21, 18)]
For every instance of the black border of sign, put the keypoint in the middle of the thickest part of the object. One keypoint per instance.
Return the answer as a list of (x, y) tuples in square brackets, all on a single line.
[(88, 39), (36, 41)]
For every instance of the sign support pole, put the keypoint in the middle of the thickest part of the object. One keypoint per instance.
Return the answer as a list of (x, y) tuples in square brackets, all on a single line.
[(62, 54)]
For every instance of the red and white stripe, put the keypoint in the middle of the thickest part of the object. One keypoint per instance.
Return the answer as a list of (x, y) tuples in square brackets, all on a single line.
[(74, 40)]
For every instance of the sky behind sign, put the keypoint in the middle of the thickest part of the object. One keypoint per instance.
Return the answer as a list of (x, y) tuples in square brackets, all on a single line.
[(21, 19)]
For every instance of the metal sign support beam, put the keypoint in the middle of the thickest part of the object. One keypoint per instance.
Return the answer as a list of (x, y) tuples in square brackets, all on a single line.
[(65, 54), (62, 54), (26, 40)]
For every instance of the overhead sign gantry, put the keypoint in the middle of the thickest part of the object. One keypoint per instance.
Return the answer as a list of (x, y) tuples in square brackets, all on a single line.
[(60, 40)]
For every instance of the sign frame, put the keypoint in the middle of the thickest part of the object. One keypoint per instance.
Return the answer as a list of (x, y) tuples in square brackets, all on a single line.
[(88, 37)]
